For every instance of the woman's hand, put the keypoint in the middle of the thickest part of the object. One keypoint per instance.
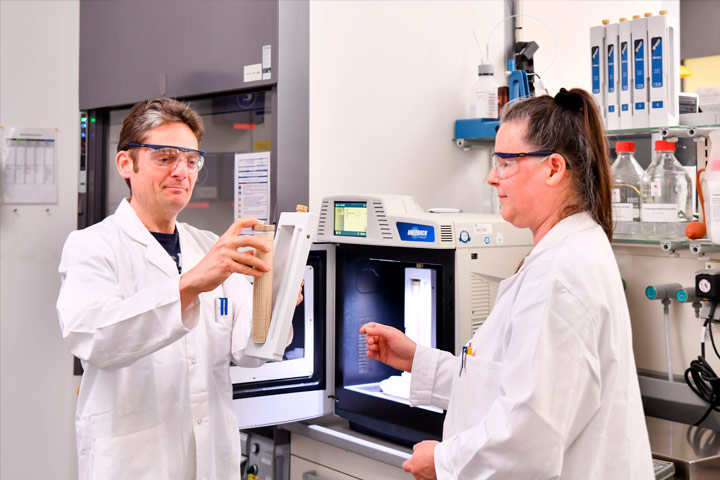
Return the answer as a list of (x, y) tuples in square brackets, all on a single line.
[(389, 345), (422, 462), (300, 294)]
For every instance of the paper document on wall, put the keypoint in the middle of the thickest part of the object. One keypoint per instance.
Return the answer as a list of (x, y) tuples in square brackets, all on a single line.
[(29, 165), (252, 185)]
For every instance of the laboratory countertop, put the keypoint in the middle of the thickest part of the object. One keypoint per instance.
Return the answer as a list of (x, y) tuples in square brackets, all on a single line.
[(336, 431), (695, 451)]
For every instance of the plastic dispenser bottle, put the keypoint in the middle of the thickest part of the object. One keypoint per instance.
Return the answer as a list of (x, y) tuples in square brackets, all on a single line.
[(712, 189), (484, 94), (626, 195), (667, 195)]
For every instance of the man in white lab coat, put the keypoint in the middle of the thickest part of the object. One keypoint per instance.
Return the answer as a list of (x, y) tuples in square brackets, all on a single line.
[(137, 306), (547, 387)]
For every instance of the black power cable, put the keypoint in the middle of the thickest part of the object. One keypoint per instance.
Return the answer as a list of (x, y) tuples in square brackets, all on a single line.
[(705, 383)]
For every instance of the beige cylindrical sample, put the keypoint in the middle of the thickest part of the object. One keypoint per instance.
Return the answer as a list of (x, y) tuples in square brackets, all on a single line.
[(263, 286)]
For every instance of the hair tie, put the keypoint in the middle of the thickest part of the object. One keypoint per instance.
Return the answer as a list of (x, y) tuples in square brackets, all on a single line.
[(569, 100)]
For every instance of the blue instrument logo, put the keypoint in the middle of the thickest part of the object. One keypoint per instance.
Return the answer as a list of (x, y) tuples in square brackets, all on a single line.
[(413, 232)]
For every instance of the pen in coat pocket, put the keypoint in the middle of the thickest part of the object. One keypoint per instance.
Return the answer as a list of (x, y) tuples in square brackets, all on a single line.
[(221, 308), (466, 350)]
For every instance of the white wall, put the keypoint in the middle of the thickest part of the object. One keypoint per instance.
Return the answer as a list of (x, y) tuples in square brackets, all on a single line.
[(387, 82), (38, 88)]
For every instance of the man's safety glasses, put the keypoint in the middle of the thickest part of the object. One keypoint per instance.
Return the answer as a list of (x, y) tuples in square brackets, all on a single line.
[(168, 156), (506, 164)]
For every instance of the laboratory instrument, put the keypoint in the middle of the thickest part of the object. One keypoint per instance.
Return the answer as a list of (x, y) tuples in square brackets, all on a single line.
[(612, 94), (597, 66), (433, 275), (625, 73), (635, 71), (640, 94)]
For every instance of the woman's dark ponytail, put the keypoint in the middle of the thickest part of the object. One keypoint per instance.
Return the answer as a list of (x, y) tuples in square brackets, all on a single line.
[(599, 159)]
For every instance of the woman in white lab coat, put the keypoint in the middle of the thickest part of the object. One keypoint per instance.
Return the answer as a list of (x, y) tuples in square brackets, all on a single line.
[(547, 388)]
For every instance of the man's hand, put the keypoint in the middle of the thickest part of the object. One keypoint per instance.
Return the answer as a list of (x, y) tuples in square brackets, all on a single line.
[(389, 345), (422, 462), (223, 260)]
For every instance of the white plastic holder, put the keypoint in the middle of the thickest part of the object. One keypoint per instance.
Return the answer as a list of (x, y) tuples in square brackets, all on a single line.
[(293, 239)]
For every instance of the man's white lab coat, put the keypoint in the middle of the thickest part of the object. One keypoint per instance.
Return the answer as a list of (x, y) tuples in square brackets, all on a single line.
[(551, 390), (155, 400)]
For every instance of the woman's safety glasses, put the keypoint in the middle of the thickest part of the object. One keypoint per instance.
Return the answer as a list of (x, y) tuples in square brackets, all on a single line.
[(506, 164), (168, 156)]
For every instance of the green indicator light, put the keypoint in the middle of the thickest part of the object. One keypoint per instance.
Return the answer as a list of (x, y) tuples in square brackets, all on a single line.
[(83, 119), (92, 120)]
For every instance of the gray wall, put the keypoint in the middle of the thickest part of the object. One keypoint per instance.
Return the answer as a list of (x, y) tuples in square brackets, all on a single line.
[(131, 50), (699, 28)]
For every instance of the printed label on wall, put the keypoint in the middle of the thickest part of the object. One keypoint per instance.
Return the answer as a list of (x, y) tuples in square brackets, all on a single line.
[(252, 73), (266, 61)]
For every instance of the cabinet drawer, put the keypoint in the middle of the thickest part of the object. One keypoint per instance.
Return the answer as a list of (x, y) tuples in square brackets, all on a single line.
[(341, 462), (301, 469)]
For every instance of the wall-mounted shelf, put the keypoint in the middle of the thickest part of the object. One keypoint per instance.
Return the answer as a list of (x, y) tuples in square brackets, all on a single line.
[(468, 143), (675, 131), (702, 247), (477, 132)]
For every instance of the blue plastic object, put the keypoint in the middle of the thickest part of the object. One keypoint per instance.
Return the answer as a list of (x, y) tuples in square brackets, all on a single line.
[(681, 295), (518, 85), (477, 128)]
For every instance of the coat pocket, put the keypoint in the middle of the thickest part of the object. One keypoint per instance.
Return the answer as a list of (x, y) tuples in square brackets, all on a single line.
[(138, 455), (474, 392)]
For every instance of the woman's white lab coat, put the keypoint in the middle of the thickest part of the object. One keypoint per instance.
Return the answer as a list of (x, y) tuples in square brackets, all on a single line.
[(155, 400), (551, 390)]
